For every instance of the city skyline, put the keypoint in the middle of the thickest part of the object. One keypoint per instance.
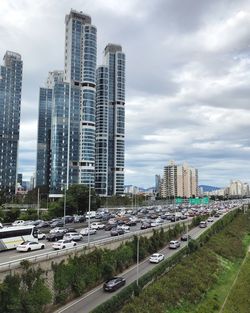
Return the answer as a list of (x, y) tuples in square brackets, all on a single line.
[(187, 79)]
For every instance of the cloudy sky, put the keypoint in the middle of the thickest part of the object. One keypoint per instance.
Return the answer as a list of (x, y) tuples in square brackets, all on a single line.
[(188, 78)]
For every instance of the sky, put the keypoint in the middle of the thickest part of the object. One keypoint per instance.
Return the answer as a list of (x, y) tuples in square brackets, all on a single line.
[(187, 79)]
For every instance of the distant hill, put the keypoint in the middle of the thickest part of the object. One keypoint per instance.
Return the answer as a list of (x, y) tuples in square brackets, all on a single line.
[(207, 188)]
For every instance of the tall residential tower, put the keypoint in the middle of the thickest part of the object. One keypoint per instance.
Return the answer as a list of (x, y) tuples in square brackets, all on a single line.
[(80, 71), (82, 139), (10, 105), (115, 60)]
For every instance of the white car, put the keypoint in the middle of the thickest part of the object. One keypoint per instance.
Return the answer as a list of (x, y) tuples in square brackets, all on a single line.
[(203, 224), (40, 235), (30, 246), (174, 244), (210, 219), (86, 231), (126, 228), (62, 244), (156, 258), (18, 223), (58, 230), (154, 224), (72, 236), (97, 225), (90, 214)]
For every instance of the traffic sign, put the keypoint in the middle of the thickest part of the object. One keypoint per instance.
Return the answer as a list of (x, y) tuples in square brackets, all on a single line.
[(178, 200)]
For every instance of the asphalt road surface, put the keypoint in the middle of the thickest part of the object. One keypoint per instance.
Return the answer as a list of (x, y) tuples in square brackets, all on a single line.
[(97, 296)]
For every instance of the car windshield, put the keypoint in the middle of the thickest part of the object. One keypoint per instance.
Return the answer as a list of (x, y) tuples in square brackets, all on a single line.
[(154, 255), (25, 243)]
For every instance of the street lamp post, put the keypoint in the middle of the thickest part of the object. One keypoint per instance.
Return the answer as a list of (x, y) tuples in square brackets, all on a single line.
[(89, 214), (64, 205), (138, 260), (38, 203)]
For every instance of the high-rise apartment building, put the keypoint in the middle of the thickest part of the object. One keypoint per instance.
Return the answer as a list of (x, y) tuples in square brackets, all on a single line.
[(10, 105), (80, 71), (115, 60), (43, 137), (157, 184), (179, 181), (110, 122), (81, 134), (102, 130)]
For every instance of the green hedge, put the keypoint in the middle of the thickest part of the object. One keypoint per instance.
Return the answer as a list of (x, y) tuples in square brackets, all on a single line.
[(84, 272), (132, 290), (24, 293), (125, 294)]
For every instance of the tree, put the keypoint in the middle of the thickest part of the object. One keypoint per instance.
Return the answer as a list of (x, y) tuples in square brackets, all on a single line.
[(77, 201)]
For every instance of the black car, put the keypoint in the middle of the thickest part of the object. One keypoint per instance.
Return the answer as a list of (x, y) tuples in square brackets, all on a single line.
[(117, 232), (43, 225), (68, 219), (174, 219), (55, 236), (114, 283), (59, 223), (145, 225), (108, 227)]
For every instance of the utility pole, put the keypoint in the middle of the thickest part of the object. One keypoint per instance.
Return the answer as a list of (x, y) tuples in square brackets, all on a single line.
[(89, 214), (38, 203), (138, 260), (64, 205)]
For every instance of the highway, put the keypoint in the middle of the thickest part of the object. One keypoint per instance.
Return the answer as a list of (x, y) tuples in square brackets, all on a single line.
[(97, 296), (13, 255)]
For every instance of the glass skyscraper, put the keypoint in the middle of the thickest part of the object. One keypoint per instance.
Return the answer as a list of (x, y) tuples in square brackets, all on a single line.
[(43, 139), (72, 120), (115, 60), (102, 130), (10, 105), (80, 71), (82, 115)]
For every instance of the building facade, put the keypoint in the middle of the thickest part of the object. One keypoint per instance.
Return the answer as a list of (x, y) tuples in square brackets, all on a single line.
[(115, 60), (80, 71), (82, 140), (10, 105), (43, 137), (102, 130), (179, 181)]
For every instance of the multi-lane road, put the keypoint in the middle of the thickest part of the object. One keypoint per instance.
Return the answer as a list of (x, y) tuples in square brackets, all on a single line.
[(97, 296), (13, 255)]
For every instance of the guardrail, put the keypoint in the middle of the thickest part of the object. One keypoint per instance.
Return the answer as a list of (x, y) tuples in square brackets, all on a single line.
[(53, 254), (7, 266)]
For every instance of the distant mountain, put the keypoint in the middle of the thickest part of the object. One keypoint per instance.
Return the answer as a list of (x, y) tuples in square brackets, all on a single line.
[(207, 188)]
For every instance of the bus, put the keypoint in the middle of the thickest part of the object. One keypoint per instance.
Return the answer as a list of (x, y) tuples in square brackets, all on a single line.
[(11, 237)]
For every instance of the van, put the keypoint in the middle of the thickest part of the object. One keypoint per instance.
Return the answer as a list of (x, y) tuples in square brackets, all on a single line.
[(203, 224)]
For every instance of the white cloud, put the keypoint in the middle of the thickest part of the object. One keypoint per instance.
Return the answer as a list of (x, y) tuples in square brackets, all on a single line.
[(188, 78)]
